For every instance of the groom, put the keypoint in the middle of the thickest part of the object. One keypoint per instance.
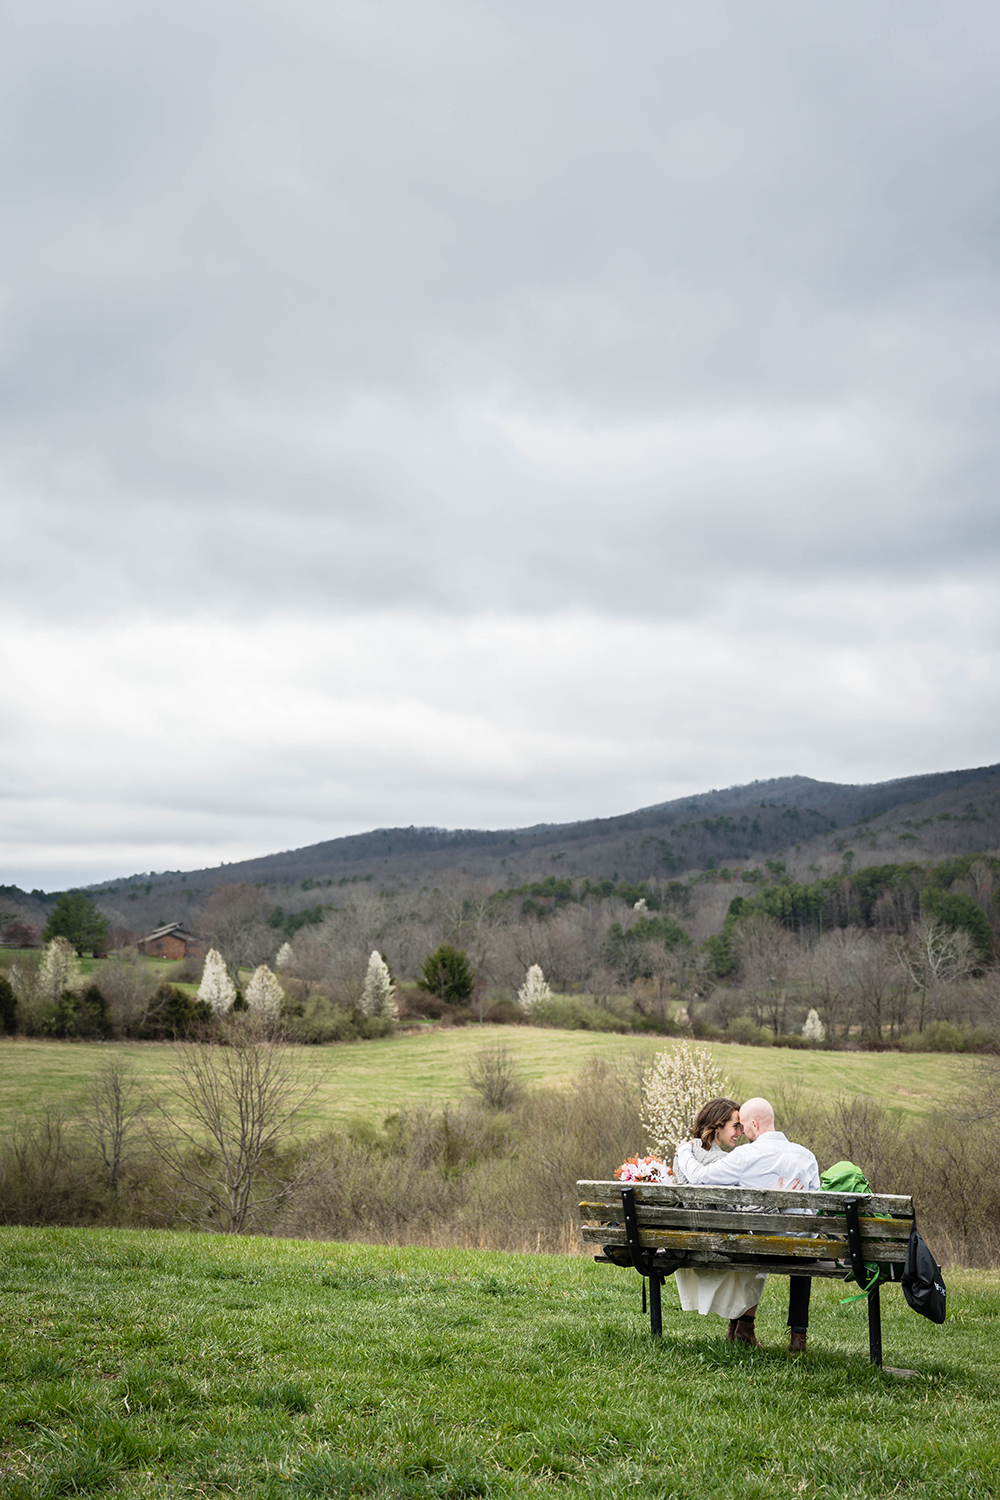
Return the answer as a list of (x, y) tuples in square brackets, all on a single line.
[(766, 1160)]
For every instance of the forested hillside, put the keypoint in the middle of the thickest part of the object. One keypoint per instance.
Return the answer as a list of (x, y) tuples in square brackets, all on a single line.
[(747, 908), (802, 820)]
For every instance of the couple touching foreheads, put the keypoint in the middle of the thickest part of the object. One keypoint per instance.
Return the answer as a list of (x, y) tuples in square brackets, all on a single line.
[(767, 1159)]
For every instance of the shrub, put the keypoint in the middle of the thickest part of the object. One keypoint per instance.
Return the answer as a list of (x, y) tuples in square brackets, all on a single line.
[(500, 1010), (46, 1179), (745, 1030), (943, 1036), (173, 1015), (83, 1015), (862, 1130), (494, 1076), (334, 1025), (577, 1013), (8, 1006)]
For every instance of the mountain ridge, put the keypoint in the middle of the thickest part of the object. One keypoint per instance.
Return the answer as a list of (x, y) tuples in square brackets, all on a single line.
[(788, 812)]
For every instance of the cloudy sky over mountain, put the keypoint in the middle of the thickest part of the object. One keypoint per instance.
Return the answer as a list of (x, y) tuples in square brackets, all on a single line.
[(481, 413)]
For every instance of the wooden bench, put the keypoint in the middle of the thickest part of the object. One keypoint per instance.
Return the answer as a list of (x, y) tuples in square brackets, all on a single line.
[(657, 1228)]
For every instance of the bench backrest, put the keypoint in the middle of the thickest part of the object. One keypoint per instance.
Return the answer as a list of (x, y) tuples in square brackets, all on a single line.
[(712, 1226)]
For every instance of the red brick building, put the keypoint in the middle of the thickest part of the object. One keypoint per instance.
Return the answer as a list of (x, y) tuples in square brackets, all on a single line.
[(172, 941)]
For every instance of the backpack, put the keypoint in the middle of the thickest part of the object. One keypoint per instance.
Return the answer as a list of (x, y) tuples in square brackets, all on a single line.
[(844, 1177), (923, 1284)]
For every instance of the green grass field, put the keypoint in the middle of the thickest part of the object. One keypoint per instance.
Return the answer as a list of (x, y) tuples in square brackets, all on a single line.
[(152, 1364), (371, 1079)]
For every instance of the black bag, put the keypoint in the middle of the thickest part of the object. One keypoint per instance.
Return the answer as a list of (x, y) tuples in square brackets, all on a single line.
[(923, 1284)]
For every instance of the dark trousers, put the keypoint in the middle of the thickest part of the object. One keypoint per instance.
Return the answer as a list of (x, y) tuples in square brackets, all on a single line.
[(799, 1288)]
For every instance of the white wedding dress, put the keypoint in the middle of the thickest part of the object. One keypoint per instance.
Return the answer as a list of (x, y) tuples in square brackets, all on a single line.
[(728, 1293)]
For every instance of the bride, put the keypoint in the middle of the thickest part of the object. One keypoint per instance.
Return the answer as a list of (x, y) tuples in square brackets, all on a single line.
[(730, 1293)]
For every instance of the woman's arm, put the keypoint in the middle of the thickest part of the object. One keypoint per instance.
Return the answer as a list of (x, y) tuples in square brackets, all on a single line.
[(716, 1174)]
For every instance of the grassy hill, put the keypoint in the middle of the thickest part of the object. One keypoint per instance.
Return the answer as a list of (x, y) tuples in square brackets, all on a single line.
[(153, 1365), (368, 1080)]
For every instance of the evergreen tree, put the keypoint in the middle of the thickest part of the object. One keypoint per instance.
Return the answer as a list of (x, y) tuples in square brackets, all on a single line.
[(76, 918), (446, 973)]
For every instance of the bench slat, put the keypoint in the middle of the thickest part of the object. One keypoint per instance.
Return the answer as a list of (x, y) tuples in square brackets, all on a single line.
[(595, 1193), (754, 1223), (825, 1269), (745, 1245)]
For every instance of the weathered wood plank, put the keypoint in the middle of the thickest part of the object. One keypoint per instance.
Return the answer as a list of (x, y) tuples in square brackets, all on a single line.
[(751, 1223), (732, 1244), (827, 1269), (752, 1246), (596, 1192)]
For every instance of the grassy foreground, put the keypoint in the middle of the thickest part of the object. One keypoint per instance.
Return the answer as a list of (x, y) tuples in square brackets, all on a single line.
[(152, 1364), (367, 1080)]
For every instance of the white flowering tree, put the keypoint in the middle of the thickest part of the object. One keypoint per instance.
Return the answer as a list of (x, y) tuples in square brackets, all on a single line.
[(674, 1090), (39, 987), (378, 994), (59, 969), (284, 956), (264, 995), (535, 989), (812, 1028), (216, 988)]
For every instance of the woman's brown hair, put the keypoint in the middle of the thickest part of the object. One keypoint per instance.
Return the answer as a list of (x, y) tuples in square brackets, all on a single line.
[(711, 1117)]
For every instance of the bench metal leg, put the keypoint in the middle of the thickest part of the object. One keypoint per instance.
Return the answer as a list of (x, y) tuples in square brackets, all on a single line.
[(875, 1326), (861, 1276), (655, 1310), (641, 1261)]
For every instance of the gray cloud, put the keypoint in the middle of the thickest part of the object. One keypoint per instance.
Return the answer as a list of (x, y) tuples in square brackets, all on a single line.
[(658, 327)]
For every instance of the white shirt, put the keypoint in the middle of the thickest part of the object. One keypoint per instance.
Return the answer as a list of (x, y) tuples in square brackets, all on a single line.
[(757, 1164)]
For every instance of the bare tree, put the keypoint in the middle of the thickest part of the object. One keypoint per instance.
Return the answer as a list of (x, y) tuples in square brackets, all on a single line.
[(880, 987), (859, 1128), (129, 984), (829, 965), (472, 921), (935, 956), (231, 1106), (234, 919), (765, 951), (989, 1000), (113, 1116)]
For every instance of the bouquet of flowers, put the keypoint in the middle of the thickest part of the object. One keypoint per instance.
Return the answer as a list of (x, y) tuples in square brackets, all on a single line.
[(644, 1169)]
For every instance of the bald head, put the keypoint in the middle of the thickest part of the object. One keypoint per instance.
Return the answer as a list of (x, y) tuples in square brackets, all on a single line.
[(757, 1118)]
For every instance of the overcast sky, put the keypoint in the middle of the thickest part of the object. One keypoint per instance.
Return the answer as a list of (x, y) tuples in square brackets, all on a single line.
[(482, 412)]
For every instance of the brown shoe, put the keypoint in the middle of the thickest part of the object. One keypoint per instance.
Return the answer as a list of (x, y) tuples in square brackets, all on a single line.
[(797, 1342), (731, 1330), (744, 1333)]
